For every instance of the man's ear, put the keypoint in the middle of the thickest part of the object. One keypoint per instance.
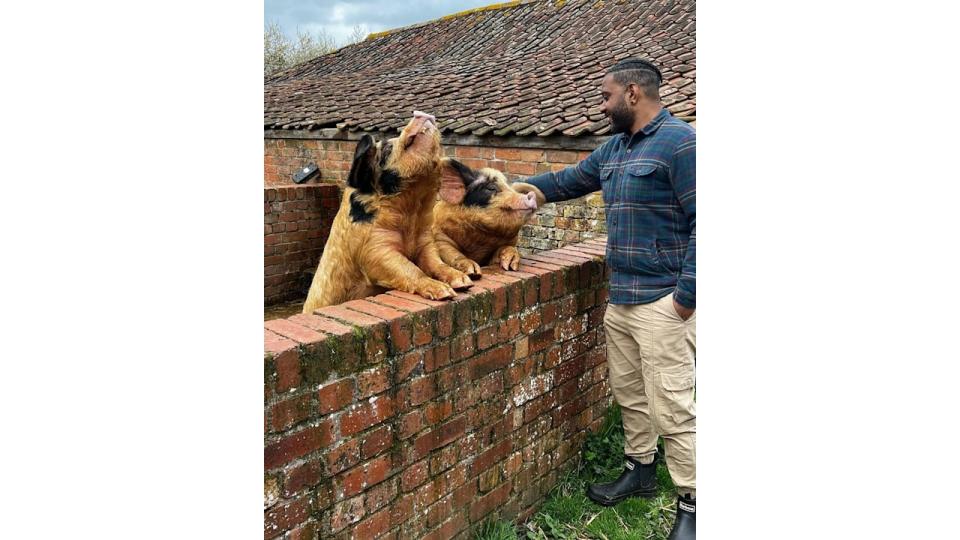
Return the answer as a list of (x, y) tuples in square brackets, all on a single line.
[(454, 179), (361, 171)]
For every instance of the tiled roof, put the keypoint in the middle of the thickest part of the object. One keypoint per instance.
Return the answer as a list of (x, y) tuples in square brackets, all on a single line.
[(522, 68)]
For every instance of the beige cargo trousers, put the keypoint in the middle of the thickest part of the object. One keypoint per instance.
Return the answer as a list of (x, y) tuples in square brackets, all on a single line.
[(650, 357)]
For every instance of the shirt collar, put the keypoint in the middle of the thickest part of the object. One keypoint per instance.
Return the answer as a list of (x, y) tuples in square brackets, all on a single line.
[(655, 123), (652, 126)]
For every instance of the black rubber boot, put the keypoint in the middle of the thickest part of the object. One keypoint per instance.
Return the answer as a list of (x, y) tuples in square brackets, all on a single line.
[(637, 480), (685, 527)]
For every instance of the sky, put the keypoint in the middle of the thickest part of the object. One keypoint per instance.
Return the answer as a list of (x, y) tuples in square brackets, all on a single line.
[(338, 17)]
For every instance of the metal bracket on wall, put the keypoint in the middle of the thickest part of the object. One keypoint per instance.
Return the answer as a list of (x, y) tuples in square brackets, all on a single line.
[(306, 173)]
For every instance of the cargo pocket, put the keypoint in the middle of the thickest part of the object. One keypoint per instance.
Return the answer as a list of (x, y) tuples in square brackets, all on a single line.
[(679, 408)]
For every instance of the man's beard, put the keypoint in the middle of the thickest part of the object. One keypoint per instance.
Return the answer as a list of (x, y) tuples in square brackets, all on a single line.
[(621, 121)]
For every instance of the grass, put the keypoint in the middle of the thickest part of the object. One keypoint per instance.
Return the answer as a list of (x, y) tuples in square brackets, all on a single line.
[(568, 514)]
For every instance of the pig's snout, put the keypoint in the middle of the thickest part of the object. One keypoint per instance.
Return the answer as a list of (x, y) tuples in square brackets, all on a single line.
[(428, 116), (530, 201)]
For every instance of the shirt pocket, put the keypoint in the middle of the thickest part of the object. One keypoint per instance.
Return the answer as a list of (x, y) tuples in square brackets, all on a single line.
[(671, 255), (639, 259), (640, 184), (606, 186)]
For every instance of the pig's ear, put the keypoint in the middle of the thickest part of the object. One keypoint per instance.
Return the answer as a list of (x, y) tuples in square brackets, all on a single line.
[(454, 181), (523, 187), (361, 171)]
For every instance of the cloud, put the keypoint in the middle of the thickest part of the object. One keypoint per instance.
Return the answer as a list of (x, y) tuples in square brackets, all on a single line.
[(337, 18)]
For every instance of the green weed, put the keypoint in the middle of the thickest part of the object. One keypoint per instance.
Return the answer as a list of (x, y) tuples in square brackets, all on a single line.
[(568, 514)]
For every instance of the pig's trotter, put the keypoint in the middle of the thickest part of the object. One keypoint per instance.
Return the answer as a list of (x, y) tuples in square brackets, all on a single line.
[(433, 289), (509, 258), (455, 278), (469, 267)]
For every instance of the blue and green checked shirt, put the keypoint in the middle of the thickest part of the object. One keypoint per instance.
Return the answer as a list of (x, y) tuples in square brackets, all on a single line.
[(649, 184)]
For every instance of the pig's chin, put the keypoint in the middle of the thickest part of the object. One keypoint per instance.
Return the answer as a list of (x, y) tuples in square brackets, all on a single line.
[(520, 213)]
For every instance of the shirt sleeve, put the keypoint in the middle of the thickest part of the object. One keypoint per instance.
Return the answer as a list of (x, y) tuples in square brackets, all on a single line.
[(574, 181), (683, 176)]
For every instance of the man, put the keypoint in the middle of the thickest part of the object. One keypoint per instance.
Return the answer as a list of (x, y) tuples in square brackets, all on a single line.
[(647, 172)]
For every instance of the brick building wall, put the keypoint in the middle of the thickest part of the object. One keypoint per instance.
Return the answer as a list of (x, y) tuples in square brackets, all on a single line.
[(296, 224), (400, 417), (555, 225)]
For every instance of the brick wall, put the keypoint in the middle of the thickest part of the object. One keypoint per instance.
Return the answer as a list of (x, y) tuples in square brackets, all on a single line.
[(296, 223), (399, 417), (554, 226), (282, 158)]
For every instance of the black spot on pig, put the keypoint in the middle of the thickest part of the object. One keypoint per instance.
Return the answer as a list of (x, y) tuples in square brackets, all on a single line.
[(359, 212), (480, 193), (389, 182)]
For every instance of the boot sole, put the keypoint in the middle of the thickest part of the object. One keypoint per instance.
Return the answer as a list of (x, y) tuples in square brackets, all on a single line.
[(643, 494)]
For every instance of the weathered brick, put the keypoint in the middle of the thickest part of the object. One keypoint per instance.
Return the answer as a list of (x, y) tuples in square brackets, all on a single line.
[(414, 476), (288, 370), (346, 513), (301, 477), (291, 411), (343, 456), (377, 441), (369, 474), (541, 340), (439, 512), (373, 381), (489, 479), (274, 343), (464, 494), (372, 526), (462, 347), (491, 456), (438, 437), (381, 495), (336, 395), (401, 510), (491, 360), (320, 324), (422, 389), (375, 310), (449, 529), (530, 321), (484, 505), (294, 331), (437, 358), (283, 517), (305, 531), (297, 445), (365, 414), (436, 412), (401, 335), (486, 337)]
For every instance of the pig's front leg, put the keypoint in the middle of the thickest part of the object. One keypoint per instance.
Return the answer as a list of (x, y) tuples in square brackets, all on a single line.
[(428, 258), (451, 255), (508, 256), (387, 267)]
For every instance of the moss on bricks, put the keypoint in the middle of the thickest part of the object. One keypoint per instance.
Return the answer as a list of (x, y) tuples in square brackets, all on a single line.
[(482, 307), (339, 354)]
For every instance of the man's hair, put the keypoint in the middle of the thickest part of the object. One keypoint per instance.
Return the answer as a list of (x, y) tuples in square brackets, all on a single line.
[(639, 72)]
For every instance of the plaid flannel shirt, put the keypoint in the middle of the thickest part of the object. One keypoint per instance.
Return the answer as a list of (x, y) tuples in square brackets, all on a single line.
[(649, 192)]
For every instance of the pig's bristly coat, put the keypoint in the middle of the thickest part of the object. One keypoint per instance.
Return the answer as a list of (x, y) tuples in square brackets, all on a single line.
[(382, 235)]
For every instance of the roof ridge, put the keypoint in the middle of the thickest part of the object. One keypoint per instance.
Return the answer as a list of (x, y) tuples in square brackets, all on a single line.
[(491, 7)]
